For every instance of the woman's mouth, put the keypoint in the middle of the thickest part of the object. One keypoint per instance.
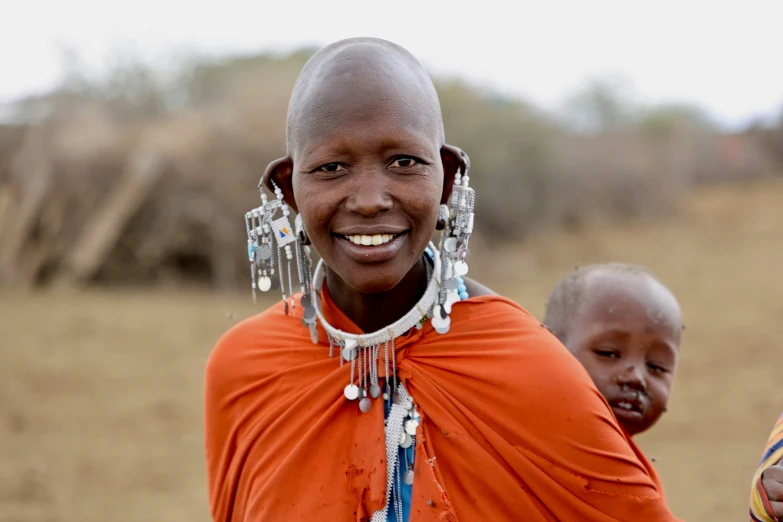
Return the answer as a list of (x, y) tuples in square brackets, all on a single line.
[(372, 248), (370, 241)]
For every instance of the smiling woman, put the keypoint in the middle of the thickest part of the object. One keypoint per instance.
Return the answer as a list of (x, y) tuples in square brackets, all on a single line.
[(482, 414)]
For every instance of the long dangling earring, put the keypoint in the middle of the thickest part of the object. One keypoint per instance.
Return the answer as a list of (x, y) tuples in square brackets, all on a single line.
[(304, 263), (265, 235), (457, 225)]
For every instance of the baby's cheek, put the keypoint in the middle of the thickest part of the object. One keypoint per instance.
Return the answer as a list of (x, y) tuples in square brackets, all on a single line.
[(660, 393), (601, 375)]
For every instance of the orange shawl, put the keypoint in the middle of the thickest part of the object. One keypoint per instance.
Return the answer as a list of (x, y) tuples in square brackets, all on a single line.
[(512, 427)]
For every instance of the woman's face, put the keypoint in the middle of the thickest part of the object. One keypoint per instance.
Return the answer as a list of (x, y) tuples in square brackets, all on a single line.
[(368, 178)]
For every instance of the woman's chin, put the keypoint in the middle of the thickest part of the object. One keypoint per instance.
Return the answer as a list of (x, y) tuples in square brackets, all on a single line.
[(372, 284)]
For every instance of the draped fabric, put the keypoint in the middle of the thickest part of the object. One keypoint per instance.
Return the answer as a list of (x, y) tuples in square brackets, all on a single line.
[(760, 509), (512, 427)]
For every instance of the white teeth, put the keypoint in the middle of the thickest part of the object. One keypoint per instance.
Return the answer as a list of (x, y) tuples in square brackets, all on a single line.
[(377, 239), (625, 405)]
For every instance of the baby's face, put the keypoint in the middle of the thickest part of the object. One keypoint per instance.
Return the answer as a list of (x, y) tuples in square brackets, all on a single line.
[(626, 333)]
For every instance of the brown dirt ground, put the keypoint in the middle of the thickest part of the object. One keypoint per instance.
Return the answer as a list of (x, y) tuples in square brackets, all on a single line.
[(100, 392)]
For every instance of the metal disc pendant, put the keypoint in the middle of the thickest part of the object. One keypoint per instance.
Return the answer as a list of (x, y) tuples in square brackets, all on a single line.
[(305, 301), (375, 391), (441, 326), (264, 283), (264, 251), (451, 298), (452, 283), (275, 284), (309, 314), (461, 267), (450, 244), (406, 441), (410, 427), (349, 354), (351, 392), (365, 405), (443, 330), (408, 477), (439, 322)]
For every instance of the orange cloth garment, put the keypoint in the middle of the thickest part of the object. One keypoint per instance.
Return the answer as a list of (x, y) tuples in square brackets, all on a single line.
[(512, 427)]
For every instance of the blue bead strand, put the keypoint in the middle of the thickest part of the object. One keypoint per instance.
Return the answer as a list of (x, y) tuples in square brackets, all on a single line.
[(462, 289)]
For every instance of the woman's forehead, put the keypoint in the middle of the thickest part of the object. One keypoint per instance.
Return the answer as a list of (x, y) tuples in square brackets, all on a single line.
[(368, 88), (354, 116)]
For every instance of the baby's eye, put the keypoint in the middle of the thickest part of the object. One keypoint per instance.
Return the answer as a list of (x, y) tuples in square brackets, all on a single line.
[(607, 353), (331, 167), (403, 162), (656, 368)]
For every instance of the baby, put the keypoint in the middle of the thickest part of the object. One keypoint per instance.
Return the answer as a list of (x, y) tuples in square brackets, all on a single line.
[(624, 326)]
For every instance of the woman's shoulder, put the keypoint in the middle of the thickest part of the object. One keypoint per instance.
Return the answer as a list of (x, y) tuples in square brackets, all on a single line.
[(486, 309), (252, 337)]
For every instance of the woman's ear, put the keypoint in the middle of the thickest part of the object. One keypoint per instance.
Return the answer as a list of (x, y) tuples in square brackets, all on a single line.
[(454, 160), (280, 172)]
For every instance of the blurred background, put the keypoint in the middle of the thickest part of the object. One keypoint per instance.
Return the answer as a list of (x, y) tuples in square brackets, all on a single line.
[(133, 135)]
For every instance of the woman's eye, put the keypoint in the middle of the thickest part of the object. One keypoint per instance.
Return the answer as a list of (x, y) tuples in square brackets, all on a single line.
[(403, 162), (607, 353), (331, 167)]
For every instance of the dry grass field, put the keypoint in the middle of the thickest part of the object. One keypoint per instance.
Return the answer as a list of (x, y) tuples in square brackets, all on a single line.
[(100, 391)]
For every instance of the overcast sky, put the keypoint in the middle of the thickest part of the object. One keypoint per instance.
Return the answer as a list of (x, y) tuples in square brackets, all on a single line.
[(723, 55)]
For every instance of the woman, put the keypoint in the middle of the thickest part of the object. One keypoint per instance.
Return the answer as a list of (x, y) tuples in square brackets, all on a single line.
[(487, 416)]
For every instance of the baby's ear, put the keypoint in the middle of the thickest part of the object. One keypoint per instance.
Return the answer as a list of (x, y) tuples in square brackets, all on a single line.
[(454, 160), (280, 172)]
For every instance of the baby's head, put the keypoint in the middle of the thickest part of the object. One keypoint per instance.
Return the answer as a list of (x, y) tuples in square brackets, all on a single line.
[(624, 326)]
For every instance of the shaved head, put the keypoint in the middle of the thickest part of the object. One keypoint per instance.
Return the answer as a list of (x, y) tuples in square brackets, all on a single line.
[(359, 69), (565, 299)]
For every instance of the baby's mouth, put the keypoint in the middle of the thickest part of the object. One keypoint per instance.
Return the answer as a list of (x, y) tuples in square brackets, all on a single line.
[(629, 404)]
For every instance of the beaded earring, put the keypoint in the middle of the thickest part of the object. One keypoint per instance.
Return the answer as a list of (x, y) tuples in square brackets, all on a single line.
[(456, 221), (269, 238)]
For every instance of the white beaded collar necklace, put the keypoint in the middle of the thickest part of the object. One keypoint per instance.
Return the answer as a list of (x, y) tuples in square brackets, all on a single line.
[(420, 312)]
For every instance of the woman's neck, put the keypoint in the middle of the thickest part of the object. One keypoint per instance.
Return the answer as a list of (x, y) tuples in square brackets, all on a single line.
[(371, 312)]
